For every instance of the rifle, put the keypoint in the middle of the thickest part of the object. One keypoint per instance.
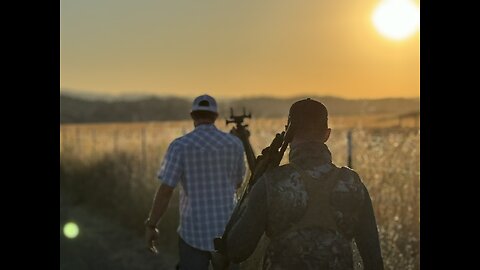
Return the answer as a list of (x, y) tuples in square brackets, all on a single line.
[(270, 158), (243, 133)]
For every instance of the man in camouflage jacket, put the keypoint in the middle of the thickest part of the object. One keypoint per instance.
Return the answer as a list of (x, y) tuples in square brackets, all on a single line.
[(310, 209)]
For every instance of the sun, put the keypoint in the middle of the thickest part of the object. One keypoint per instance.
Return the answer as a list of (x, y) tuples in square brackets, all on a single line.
[(397, 19)]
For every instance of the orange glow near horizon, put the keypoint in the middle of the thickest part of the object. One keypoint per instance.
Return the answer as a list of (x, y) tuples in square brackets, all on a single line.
[(234, 49)]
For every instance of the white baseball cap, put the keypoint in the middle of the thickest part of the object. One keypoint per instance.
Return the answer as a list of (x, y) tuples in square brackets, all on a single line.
[(204, 103)]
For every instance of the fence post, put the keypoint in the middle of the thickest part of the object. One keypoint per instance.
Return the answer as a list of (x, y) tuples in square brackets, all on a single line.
[(349, 146), (77, 141), (62, 138), (94, 141), (115, 138), (144, 151)]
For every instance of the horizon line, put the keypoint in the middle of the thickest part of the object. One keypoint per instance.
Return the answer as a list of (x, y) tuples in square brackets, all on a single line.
[(135, 95)]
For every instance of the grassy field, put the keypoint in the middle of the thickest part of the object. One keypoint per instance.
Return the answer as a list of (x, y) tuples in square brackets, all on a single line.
[(107, 181)]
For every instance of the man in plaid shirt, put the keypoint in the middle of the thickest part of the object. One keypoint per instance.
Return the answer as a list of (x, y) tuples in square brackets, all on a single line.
[(209, 166)]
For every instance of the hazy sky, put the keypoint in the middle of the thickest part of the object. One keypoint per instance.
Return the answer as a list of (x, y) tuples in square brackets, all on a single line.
[(233, 48)]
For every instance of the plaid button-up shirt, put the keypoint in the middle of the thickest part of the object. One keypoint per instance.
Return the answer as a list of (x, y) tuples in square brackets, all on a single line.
[(208, 164)]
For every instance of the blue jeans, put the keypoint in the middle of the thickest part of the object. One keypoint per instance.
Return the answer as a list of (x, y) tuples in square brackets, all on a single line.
[(195, 259)]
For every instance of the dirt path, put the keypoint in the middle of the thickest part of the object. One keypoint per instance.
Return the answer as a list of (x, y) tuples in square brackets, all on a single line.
[(103, 244)]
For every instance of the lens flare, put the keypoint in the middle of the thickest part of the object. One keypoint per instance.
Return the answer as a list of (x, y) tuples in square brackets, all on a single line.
[(70, 230)]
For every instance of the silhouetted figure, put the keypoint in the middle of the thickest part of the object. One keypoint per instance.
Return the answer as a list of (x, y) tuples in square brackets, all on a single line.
[(209, 166), (310, 209)]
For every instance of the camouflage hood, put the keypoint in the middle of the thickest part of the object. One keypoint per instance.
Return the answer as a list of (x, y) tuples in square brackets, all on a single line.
[(310, 154)]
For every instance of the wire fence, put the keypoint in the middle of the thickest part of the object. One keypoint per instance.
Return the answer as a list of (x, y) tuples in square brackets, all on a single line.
[(387, 159)]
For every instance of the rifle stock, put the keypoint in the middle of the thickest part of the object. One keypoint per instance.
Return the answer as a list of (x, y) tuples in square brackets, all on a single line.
[(242, 134)]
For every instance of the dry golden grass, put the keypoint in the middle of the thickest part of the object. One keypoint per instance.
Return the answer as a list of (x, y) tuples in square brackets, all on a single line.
[(386, 155)]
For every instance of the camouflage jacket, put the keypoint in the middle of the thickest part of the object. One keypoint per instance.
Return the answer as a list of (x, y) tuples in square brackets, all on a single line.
[(278, 203)]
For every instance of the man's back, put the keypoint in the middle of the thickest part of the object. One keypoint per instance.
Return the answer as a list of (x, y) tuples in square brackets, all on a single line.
[(284, 204), (210, 158), (312, 210), (208, 164)]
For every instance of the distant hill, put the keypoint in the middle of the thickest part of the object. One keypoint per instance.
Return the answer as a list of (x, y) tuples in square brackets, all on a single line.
[(273, 107), (80, 110)]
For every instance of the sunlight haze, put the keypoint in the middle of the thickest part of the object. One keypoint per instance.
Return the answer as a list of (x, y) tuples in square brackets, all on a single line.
[(234, 49)]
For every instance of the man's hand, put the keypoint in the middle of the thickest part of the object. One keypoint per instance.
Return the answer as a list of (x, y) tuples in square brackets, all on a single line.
[(159, 206), (151, 236)]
